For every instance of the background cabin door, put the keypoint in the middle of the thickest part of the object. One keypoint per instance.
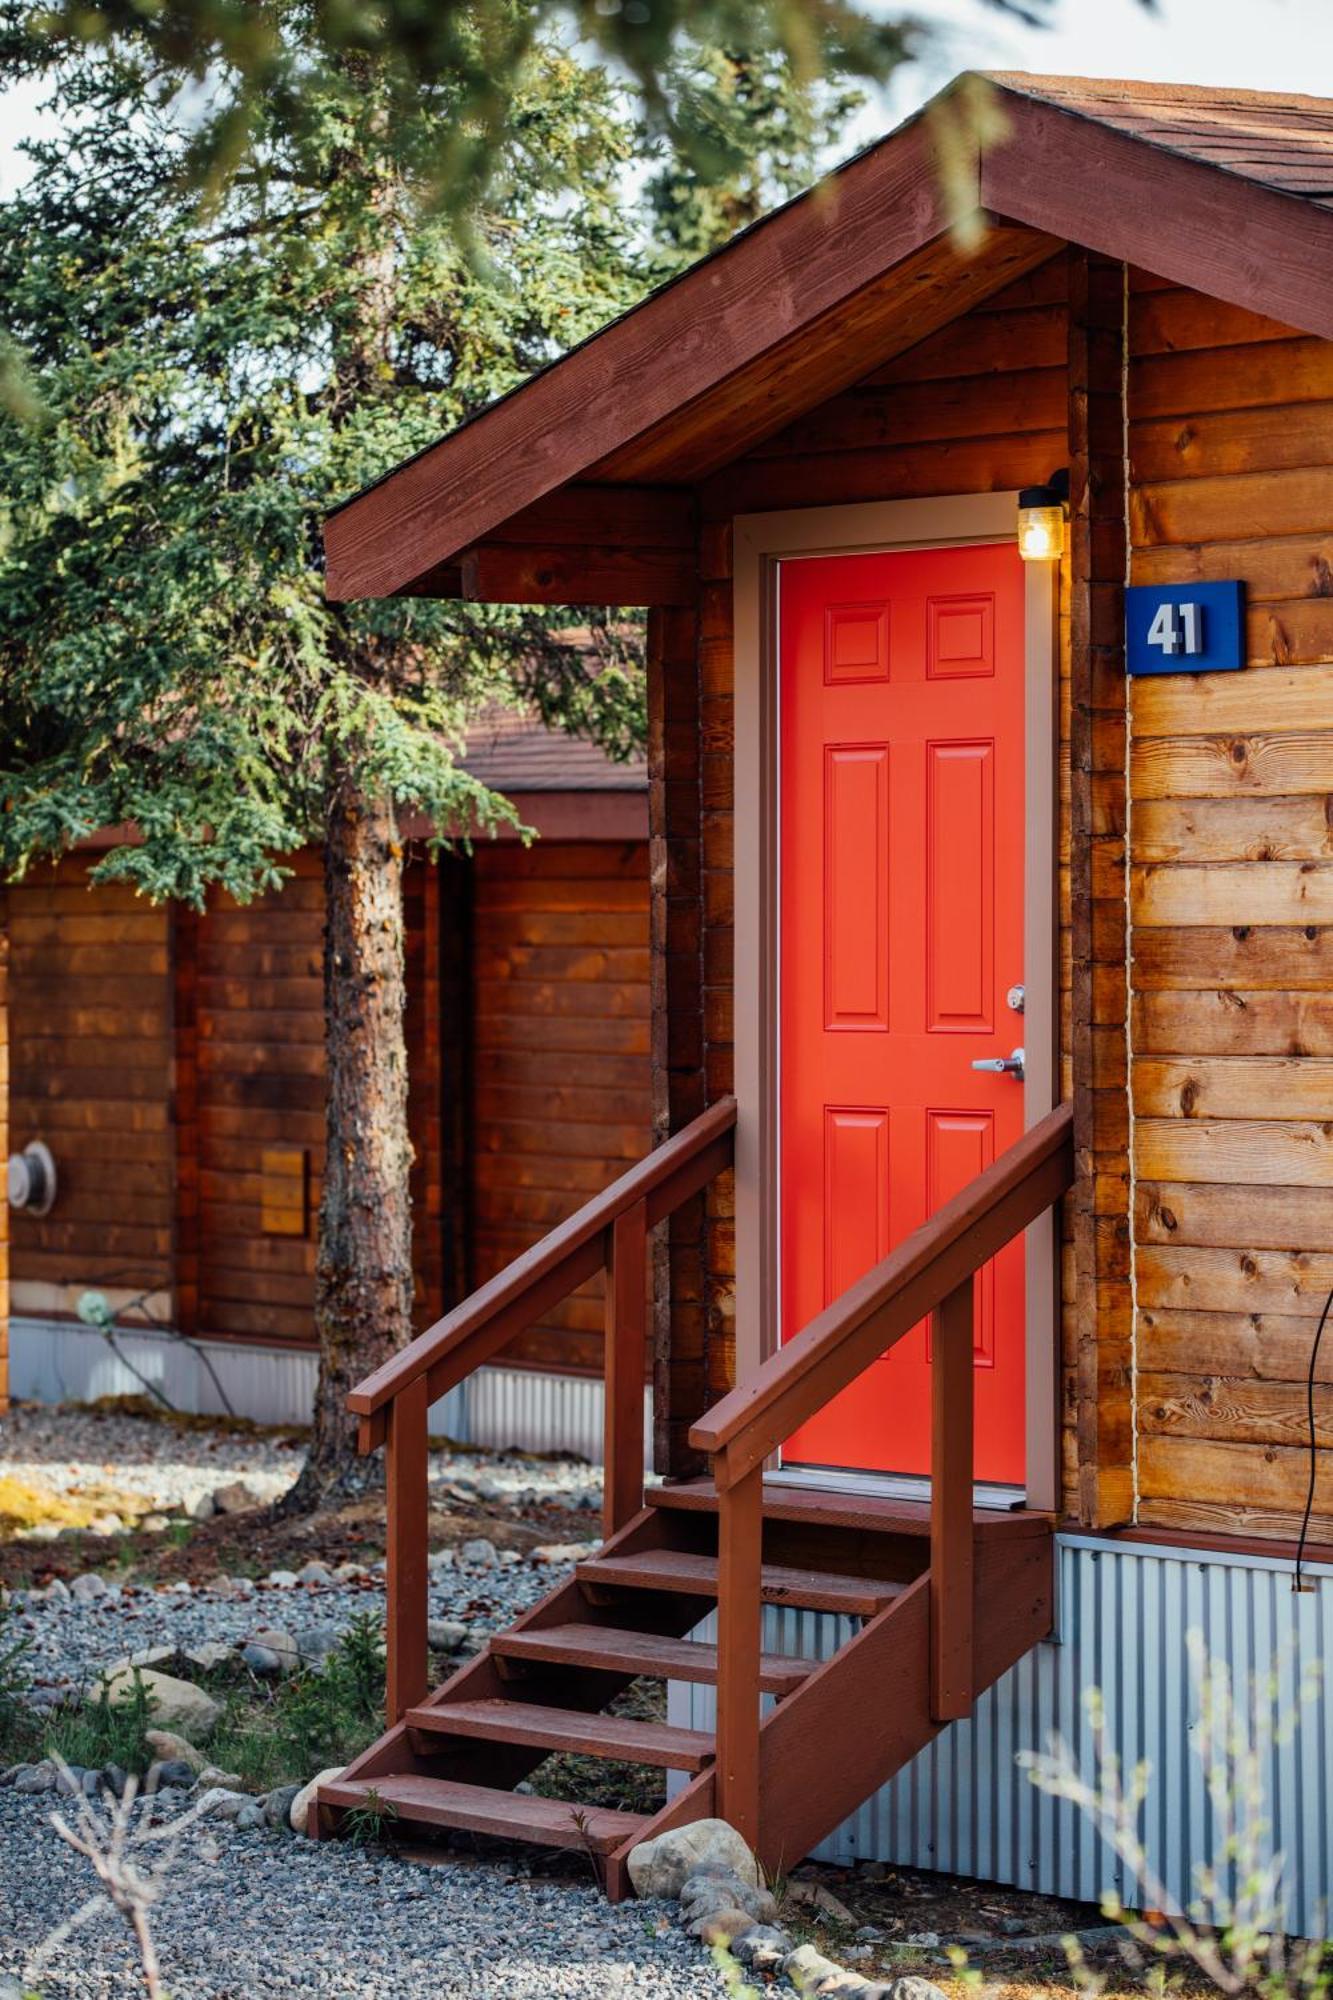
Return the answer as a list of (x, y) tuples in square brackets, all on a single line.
[(901, 840)]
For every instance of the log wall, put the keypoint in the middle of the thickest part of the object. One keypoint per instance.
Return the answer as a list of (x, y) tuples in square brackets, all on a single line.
[(1231, 424), (174, 1063), (91, 1074), (559, 1056)]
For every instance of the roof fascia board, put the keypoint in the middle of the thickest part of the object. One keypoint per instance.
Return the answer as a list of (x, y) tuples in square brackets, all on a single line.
[(725, 313), (1180, 218)]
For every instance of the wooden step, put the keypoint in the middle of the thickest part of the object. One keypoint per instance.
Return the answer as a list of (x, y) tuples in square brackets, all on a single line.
[(479, 1809), (574, 1730), (649, 1653), (691, 1575), (832, 1509)]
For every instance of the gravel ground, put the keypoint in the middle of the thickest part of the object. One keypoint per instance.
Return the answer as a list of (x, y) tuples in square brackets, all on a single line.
[(269, 1916), (70, 1451)]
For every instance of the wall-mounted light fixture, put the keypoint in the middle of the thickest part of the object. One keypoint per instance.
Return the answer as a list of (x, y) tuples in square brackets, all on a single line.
[(31, 1179), (1041, 519)]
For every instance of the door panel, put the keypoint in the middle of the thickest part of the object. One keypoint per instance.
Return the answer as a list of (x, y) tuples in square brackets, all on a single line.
[(901, 915)]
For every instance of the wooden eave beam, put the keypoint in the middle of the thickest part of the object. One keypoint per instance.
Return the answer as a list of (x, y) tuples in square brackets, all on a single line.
[(710, 324), (1178, 217)]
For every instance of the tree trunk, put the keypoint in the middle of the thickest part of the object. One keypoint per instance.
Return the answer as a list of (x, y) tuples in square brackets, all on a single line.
[(363, 1283)]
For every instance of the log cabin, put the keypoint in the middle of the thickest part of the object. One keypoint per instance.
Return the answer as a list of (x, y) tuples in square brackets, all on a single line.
[(172, 1065), (985, 535)]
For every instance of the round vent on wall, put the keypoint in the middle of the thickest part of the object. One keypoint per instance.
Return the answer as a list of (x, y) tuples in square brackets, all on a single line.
[(31, 1179)]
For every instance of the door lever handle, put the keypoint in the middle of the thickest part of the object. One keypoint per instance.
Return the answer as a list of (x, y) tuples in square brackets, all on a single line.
[(1002, 1065)]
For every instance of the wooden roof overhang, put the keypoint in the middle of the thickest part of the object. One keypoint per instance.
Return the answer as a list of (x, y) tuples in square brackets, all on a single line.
[(578, 486)]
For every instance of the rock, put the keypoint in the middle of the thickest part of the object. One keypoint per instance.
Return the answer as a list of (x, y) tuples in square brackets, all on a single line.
[(814, 1896), (561, 1552), (220, 1803), (440, 1559), (719, 1889), (58, 1592), (314, 1643), (234, 1498), (299, 1810), (154, 1524), (661, 1867), (283, 1579), (231, 1781), (445, 1635), (88, 1588), (278, 1805), (279, 1648), (924, 1940), (869, 1933), (911, 1986), (349, 1572), (169, 1747), (114, 1779), (250, 1816), (209, 1655), (177, 1704), (763, 1947), (36, 1777), (719, 1926), (314, 1572), (173, 1774), (69, 1780), (202, 1509), (107, 1524), (478, 1554), (92, 1784), (812, 1974)]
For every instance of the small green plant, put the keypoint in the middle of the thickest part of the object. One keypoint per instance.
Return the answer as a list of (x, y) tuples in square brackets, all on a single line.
[(14, 1651), (371, 1820), (278, 1733)]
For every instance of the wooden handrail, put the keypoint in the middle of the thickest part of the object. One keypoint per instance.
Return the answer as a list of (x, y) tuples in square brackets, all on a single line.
[(932, 1272), (565, 1258), (893, 1297), (609, 1233)]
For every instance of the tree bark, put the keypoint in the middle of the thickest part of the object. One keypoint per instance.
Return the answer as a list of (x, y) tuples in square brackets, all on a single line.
[(363, 1281)]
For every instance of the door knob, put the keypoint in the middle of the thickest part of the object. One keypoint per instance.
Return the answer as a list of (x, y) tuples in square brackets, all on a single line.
[(1001, 1065)]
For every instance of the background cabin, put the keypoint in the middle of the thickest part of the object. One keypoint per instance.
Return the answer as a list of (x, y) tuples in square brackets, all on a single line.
[(173, 1063), (897, 773)]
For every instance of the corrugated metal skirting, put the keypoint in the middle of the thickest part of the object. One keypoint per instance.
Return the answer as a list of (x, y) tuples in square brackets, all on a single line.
[(1124, 1611), (53, 1361)]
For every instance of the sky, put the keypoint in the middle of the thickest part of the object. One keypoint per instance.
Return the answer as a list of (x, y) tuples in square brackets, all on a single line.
[(1259, 44)]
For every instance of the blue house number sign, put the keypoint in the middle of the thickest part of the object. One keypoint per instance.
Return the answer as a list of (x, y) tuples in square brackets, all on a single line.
[(1184, 628)]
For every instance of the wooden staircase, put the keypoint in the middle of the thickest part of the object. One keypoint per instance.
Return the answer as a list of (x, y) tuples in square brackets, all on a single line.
[(944, 1598), (834, 1732)]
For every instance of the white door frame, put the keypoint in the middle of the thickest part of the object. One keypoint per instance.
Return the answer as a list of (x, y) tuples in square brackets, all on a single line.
[(761, 543)]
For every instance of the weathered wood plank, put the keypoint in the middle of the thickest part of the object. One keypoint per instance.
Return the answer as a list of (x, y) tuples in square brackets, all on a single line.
[(1232, 1477), (1235, 829), (1294, 763), (1249, 1218), (1238, 1410), (1245, 892), (1207, 509), (1198, 1279), (1230, 1023), (1233, 1087), (1279, 958), (1202, 704), (1271, 1347), (1247, 1152)]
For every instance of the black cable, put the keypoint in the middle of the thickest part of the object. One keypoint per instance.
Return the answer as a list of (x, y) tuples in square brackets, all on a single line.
[(1296, 1583)]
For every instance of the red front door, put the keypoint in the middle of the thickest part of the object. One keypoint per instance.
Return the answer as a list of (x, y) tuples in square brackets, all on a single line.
[(901, 840)]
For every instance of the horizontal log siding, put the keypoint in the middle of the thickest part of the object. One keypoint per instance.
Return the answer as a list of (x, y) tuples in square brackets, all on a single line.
[(978, 407), (90, 1073), (561, 1079), (1231, 424)]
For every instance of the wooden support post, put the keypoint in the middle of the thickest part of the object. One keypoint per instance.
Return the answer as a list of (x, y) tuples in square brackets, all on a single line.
[(407, 1550), (951, 1545), (626, 1353), (740, 1535)]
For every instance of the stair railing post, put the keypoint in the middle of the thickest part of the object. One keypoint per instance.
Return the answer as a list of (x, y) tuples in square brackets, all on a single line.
[(952, 1677), (626, 1348), (407, 1549), (740, 1534)]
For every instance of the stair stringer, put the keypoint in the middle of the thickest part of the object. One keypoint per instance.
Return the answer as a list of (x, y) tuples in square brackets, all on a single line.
[(865, 1713), (500, 1764)]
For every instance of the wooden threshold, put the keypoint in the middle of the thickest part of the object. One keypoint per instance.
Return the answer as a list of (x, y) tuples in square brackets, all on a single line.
[(832, 1509)]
